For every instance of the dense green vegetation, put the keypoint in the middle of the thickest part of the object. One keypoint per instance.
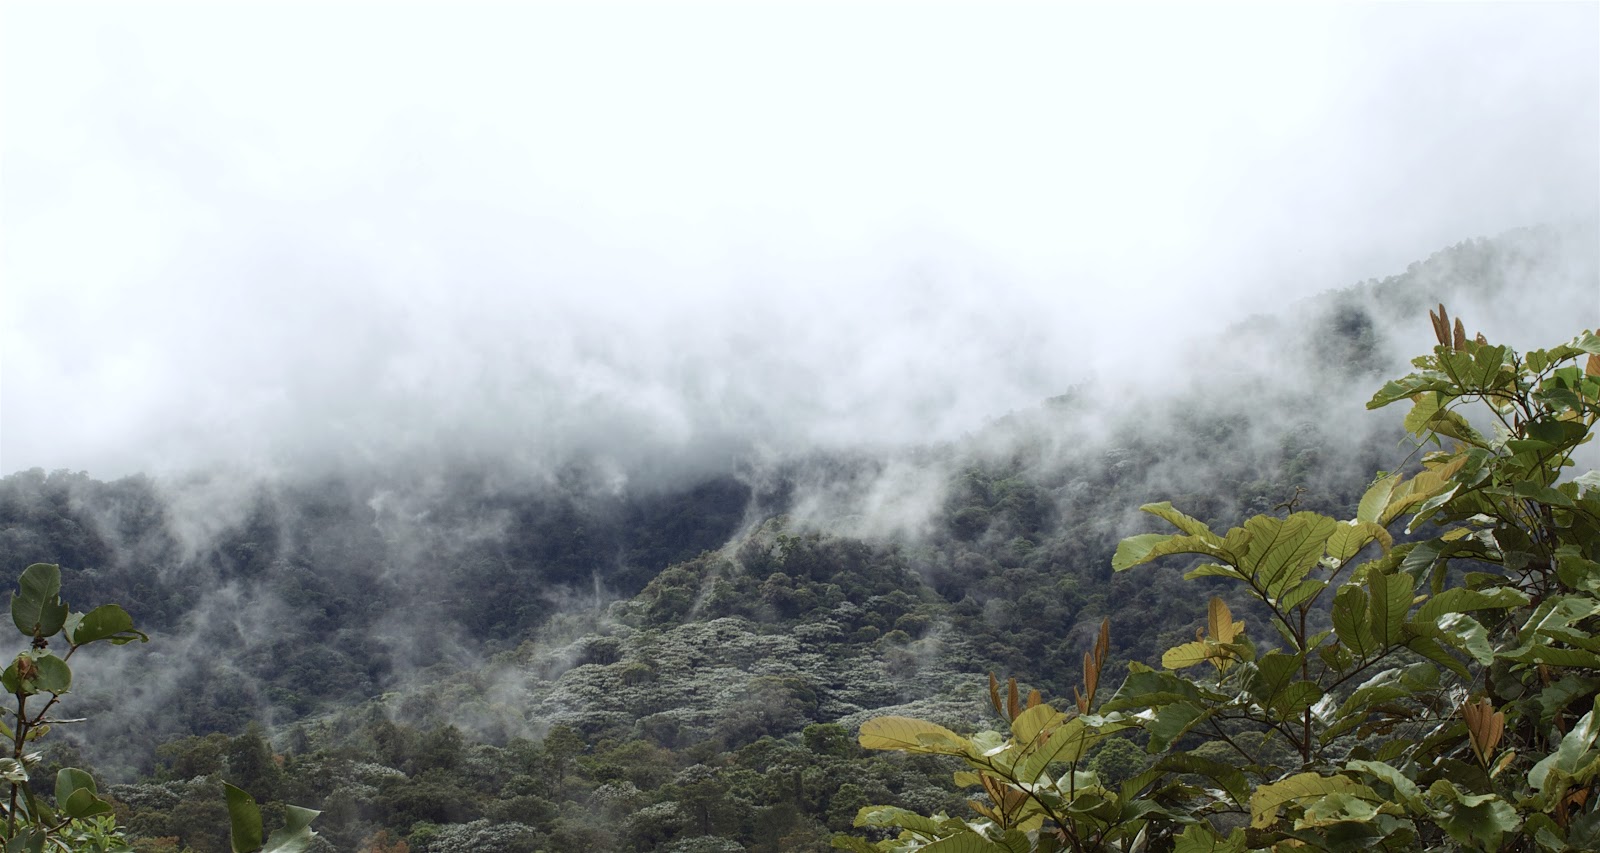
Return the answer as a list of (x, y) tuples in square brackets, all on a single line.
[(1443, 694), (453, 659)]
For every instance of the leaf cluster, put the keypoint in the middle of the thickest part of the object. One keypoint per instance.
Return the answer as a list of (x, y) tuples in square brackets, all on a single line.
[(1439, 692)]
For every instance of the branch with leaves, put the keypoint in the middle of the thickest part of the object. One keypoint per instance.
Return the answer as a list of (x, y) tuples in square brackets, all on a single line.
[(1442, 693)]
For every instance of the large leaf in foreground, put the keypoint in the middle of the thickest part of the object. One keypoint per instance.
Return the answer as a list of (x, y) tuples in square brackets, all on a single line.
[(911, 735)]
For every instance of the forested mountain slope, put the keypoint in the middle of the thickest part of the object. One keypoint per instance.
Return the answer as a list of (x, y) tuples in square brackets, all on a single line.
[(473, 662)]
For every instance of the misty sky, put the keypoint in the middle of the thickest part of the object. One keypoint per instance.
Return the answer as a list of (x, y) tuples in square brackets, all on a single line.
[(277, 235)]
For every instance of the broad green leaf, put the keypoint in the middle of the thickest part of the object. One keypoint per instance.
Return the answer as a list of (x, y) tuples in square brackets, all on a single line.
[(54, 674), (1352, 621), (1327, 812), (1301, 593), (840, 841), (911, 735), (296, 834), (1201, 838), (69, 779), (83, 803), (1459, 600), (30, 839), (106, 622), (1425, 406), (1561, 611), (1390, 601), (1300, 789), (1429, 648), (1067, 743), (1295, 698), (1476, 820), (1404, 788), (1425, 486), (1186, 655), (1466, 634), (14, 682), (884, 816), (1228, 777), (1282, 551), (964, 841), (1490, 364), (1574, 746), (1426, 510), (1555, 698), (1146, 687), (1407, 387), (244, 820), (36, 607), (1188, 525), (1553, 617), (1382, 688), (1554, 656), (1034, 722), (1349, 538), (1546, 833), (1560, 433), (1528, 490), (1141, 549), (1214, 570), (1578, 572), (1377, 498), (1452, 425), (1171, 722), (1274, 673)]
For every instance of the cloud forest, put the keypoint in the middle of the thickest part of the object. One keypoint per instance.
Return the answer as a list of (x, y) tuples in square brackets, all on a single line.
[(1292, 592), (703, 427)]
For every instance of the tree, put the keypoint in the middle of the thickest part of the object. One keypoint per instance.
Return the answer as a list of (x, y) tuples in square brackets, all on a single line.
[(252, 764), (562, 744), (1443, 692)]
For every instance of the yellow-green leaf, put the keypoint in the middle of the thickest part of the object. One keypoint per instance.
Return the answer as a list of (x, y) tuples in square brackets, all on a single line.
[(1300, 789), (1377, 498), (1035, 722), (912, 735), (1391, 600), (1351, 537), (1283, 550), (1186, 655), (1188, 525)]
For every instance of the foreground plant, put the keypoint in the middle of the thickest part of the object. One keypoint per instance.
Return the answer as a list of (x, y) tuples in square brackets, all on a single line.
[(79, 820), (37, 678), (1038, 791), (245, 829), (1442, 693)]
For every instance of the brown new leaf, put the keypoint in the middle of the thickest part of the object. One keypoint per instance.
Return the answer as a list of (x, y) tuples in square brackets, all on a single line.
[(1093, 662), (1485, 725), (1441, 325), (1013, 705)]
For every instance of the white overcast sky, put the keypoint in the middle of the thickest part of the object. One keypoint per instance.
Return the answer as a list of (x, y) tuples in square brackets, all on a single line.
[(258, 233)]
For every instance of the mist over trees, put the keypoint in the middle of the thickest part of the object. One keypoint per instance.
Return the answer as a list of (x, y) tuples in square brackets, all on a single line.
[(457, 656)]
